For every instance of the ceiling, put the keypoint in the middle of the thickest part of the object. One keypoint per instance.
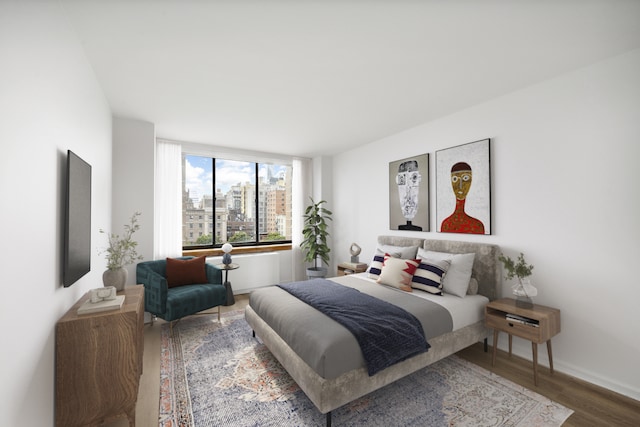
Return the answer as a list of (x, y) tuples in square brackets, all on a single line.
[(311, 78)]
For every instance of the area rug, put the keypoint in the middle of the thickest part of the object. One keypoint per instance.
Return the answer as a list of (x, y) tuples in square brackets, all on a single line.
[(218, 374)]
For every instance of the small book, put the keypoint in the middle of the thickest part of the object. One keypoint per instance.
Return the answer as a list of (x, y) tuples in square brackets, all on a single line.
[(522, 319), (354, 265), (89, 307)]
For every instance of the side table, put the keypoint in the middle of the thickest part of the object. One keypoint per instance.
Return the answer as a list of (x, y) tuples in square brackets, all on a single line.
[(226, 267), (537, 324), (98, 362)]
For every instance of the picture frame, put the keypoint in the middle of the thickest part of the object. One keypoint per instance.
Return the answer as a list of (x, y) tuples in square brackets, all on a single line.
[(409, 194), (463, 188)]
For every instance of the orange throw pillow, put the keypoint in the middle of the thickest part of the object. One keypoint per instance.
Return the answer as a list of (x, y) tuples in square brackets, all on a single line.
[(186, 271)]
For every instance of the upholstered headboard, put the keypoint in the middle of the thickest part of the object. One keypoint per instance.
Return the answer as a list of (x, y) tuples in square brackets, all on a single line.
[(486, 267), (400, 241)]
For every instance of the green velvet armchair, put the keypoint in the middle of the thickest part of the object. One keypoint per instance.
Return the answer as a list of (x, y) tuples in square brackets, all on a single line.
[(174, 303)]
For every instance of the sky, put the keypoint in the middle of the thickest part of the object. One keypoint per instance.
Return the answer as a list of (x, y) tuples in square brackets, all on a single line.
[(199, 174)]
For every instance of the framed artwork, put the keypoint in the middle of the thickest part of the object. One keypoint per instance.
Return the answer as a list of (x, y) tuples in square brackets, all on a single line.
[(463, 189), (409, 194)]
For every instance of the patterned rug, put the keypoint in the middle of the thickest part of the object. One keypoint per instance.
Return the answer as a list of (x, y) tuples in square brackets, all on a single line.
[(217, 374)]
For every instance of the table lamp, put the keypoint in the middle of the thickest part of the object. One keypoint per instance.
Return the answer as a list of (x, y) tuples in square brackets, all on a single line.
[(226, 258)]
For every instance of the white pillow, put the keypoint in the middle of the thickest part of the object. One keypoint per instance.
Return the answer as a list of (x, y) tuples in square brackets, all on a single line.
[(456, 281), (406, 252)]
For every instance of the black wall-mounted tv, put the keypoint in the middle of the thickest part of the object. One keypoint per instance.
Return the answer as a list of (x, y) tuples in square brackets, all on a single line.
[(77, 245)]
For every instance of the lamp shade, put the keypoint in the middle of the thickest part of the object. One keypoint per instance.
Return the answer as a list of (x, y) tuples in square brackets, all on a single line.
[(226, 257)]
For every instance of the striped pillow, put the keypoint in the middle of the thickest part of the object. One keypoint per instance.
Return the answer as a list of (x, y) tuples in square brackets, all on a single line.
[(376, 265), (429, 274)]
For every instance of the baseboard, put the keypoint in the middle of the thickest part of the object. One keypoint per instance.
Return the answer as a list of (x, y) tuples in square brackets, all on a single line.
[(524, 351), (590, 377)]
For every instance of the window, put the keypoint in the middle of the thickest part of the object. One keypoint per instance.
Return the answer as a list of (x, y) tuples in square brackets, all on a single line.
[(251, 202)]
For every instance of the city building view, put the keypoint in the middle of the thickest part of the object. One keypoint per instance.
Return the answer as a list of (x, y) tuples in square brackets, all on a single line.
[(251, 203)]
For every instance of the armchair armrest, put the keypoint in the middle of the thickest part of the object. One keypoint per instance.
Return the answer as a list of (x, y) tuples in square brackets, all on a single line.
[(155, 287), (214, 274)]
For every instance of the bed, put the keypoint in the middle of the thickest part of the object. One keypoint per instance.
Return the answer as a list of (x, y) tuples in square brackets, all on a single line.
[(323, 357)]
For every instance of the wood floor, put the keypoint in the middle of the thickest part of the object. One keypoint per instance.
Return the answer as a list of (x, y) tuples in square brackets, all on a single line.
[(593, 406)]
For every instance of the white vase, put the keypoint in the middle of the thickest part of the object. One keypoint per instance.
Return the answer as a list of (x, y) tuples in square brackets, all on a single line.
[(524, 290), (116, 278)]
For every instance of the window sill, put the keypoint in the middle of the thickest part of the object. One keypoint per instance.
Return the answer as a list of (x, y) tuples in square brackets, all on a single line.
[(238, 250)]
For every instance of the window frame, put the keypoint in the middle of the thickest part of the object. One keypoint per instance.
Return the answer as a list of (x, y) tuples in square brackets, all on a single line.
[(257, 162)]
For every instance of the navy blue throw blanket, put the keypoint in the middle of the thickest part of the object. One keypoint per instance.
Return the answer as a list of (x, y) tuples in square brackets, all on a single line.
[(387, 334)]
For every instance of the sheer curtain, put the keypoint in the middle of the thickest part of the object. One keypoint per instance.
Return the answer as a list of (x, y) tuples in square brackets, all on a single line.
[(301, 191), (168, 204)]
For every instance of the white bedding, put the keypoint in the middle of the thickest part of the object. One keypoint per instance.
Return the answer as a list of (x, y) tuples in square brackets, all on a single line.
[(464, 311)]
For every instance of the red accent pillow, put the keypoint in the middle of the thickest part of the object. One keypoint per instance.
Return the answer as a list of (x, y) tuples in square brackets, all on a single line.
[(186, 271), (398, 272)]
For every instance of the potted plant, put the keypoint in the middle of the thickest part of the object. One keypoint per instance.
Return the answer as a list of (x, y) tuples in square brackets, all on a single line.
[(523, 290), (120, 253), (314, 238)]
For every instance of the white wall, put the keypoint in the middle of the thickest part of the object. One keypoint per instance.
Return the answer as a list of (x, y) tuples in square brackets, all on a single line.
[(134, 145), (49, 102), (322, 184), (565, 192), (256, 270)]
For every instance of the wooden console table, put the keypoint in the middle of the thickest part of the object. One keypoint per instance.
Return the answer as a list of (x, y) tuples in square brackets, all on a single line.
[(544, 323), (99, 362)]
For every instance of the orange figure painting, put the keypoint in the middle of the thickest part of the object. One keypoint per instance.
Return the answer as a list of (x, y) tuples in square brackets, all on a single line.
[(459, 221)]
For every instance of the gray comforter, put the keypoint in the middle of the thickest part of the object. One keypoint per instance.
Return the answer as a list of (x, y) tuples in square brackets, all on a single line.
[(325, 345), (387, 334)]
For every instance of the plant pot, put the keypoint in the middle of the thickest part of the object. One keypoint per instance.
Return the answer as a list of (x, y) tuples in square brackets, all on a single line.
[(116, 278), (316, 272)]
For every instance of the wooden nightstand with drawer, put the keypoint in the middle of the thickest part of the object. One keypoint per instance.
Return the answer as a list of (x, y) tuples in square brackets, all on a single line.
[(537, 324)]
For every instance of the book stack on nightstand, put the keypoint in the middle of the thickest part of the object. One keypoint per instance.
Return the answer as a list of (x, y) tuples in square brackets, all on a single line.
[(346, 268), (522, 320)]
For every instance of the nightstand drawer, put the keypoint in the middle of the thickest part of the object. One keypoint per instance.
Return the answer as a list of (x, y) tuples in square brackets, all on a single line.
[(500, 322)]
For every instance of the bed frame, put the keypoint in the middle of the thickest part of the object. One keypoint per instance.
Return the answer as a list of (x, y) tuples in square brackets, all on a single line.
[(330, 394)]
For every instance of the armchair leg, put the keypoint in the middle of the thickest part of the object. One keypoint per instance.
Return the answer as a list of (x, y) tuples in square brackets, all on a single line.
[(152, 317), (218, 314)]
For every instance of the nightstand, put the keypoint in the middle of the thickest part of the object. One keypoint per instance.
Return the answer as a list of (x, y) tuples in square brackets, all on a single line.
[(537, 324), (346, 268)]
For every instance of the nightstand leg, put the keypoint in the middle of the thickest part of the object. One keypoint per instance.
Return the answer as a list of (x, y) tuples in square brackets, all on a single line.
[(510, 343), (495, 347), (534, 348), (550, 356)]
